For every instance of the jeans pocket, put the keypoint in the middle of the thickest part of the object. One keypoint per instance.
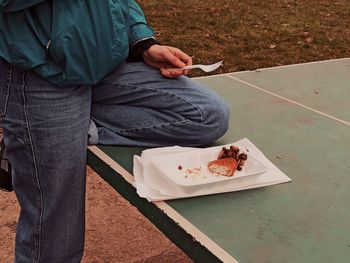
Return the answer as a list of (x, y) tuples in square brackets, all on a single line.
[(5, 82)]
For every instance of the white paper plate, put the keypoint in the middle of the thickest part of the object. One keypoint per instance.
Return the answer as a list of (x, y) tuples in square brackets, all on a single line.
[(190, 168)]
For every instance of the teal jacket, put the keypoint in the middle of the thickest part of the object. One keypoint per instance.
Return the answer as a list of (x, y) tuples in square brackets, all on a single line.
[(70, 42)]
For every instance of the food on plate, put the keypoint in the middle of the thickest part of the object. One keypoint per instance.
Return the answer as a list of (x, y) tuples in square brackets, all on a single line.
[(225, 166), (241, 160), (229, 160)]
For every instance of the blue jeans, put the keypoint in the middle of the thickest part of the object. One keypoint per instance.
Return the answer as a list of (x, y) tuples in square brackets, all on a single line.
[(46, 134)]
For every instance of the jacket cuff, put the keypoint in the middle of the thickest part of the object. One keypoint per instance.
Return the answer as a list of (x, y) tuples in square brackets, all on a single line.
[(140, 31), (136, 50)]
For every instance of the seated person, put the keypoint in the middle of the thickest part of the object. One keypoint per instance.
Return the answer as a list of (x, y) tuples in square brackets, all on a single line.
[(64, 76)]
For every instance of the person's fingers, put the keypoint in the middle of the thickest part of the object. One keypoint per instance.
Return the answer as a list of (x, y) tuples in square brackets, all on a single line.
[(172, 59), (183, 56), (166, 73), (169, 60), (187, 59), (172, 73)]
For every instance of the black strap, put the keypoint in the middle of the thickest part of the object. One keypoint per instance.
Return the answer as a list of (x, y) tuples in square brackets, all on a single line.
[(2, 147), (5, 180), (5, 175)]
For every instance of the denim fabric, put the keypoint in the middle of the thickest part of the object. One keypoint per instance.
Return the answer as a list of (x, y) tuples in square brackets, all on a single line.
[(46, 139), (135, 106), (46, 133)]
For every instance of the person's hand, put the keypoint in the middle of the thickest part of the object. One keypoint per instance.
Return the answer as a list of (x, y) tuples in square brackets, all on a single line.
[(166, 58)]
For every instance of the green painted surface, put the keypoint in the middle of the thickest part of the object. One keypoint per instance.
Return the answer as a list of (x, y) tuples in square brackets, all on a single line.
[(324, 86), (307, 220)]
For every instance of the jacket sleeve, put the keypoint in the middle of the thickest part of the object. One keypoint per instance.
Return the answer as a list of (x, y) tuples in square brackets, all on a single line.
[(139, 28), (16, 5)]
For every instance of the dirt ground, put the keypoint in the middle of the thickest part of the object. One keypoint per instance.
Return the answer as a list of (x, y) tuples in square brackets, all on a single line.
[(252, 34), (115, 231)]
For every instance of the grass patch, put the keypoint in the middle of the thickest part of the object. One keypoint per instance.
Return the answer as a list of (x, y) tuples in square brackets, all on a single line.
[(252, 34)]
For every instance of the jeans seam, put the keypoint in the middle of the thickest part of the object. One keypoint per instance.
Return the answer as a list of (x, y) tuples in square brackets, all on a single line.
[(38, 222), (7, 87), (153, 126), (158, 90)]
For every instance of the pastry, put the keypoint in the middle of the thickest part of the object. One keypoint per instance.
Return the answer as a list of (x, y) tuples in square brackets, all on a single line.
[(225, 166)]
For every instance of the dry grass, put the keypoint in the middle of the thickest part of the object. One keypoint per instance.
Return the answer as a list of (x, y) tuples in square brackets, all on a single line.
[(253, 34)]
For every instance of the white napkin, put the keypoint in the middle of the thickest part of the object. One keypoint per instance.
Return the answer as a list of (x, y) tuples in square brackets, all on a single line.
[(155, 186)]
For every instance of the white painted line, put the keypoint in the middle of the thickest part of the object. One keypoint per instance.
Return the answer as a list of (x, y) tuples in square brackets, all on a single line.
[(276, 67), (290, 101), (301, 64), (218, 75), (113, 164), (198, 235)]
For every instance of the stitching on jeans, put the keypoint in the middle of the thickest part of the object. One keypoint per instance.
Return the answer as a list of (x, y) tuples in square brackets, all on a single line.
[(153, 126), (9, 77), (158, 90), (38, 226), (7, 87), (8, 84)]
